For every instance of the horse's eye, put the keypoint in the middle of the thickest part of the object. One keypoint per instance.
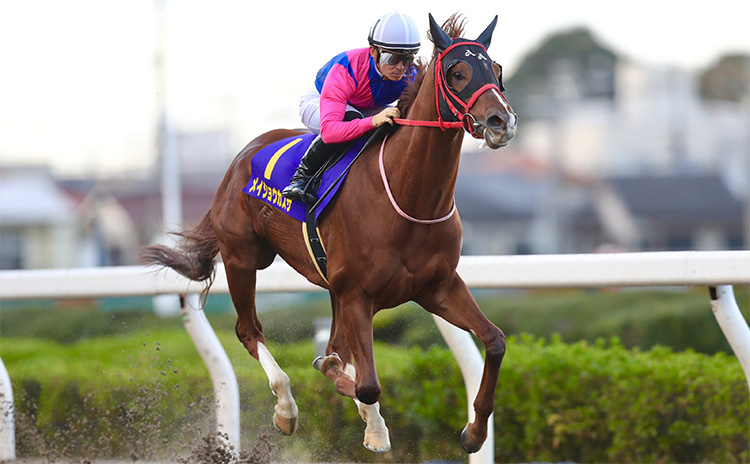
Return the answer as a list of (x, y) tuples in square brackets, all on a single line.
[(458, 76)]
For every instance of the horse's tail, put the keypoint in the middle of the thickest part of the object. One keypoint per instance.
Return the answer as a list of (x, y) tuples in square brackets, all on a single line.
[(193, 257)]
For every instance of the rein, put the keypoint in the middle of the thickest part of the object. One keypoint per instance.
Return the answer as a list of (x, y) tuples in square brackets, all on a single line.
[(393, 200), (441, 124)]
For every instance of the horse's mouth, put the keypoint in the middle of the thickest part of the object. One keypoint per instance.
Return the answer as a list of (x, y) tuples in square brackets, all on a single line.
[(498, 139)]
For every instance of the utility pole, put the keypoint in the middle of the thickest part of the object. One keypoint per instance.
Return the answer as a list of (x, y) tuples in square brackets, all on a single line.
[(169, 160)]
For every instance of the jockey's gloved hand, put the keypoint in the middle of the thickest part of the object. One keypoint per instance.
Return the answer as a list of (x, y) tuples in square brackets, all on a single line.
[(385, 116)]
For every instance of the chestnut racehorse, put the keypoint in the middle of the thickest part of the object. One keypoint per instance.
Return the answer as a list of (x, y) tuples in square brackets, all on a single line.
[(391, 236)]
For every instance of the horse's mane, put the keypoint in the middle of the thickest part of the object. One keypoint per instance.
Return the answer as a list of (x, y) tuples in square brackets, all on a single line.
[(454, 26), (407, 98)]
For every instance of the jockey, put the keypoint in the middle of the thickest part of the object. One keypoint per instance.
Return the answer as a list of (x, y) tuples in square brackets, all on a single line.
[(352, 93)]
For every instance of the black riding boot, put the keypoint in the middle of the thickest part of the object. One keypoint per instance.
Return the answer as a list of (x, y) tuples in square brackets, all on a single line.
[(300, 187)]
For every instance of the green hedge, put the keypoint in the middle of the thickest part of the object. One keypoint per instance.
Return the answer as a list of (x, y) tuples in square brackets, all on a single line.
[(679, 318), (147, 396)]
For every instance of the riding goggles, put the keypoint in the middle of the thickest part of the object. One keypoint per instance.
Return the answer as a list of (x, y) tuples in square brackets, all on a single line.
[(392, 58)]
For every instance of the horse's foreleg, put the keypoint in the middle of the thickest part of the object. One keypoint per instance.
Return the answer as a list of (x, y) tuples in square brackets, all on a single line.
[(357, 323), (376, 433), (337, 367), (332, 367), (452, 301), (337, 354)]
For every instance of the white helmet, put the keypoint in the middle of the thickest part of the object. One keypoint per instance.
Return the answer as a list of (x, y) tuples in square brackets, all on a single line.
[(395, 31)]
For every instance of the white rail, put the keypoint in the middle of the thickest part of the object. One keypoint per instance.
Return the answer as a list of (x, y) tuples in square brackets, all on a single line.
[(709, 268), (226, 391), (7, 423), (718, 270)]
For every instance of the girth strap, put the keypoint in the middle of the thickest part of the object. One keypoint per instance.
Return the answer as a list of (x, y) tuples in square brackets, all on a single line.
[(314, 243)]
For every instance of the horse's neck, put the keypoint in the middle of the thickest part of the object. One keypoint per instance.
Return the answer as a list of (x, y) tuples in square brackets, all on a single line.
[(422, 162)]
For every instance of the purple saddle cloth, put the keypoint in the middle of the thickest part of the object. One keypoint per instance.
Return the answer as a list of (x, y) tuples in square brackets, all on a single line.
[(273, 166)]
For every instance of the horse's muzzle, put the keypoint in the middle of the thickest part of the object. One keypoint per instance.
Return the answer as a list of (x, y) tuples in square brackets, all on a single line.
[(498, 129)]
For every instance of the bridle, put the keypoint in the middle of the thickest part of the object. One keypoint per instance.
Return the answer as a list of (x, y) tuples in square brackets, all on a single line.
[(453, 107)]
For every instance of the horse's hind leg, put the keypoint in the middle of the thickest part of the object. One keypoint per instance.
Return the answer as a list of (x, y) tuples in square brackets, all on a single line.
[(242, 257), (340, 370), (285, 411)]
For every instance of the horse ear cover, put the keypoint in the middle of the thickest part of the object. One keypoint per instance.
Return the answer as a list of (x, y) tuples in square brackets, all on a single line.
[(486, 37), (439, 36)]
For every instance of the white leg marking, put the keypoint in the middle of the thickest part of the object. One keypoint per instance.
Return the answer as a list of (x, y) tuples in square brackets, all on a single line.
[(376, 432), (280, 386)]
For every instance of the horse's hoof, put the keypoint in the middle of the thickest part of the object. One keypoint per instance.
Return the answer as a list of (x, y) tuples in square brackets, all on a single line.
[(377, 440), (323, 363), (467, 443), (286, 426)]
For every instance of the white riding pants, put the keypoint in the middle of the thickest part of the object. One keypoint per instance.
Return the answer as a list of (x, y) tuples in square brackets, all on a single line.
[(309, 110)]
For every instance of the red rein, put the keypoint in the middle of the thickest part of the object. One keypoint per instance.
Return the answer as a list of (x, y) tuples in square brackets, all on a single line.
[(441, 124)]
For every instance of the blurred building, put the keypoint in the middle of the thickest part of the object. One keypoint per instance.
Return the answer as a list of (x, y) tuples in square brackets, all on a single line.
[(48, 223), (627, 147), (38, 221), (529, 208), (656, 124)]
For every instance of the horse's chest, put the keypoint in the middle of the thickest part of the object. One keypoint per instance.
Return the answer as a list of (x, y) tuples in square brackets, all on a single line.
[(395, 285), (392, 261), (398, 275)]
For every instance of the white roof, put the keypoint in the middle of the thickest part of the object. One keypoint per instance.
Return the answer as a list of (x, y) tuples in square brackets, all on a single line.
[(31, 197)]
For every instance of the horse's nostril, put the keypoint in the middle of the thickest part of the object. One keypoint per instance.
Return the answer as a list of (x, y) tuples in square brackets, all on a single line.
[(495, 123)]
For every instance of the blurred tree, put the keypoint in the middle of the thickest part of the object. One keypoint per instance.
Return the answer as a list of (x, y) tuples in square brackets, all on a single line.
[(576, 56), (728, 79)]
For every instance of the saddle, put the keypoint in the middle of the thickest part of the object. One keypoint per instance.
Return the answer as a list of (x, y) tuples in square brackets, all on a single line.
[(272, 167)]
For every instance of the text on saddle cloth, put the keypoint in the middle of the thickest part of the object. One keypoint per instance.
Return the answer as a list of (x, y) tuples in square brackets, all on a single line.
[(273, 166)]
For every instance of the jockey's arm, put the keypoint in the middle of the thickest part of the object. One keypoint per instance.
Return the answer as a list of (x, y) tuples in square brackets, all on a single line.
[(338, 89)]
